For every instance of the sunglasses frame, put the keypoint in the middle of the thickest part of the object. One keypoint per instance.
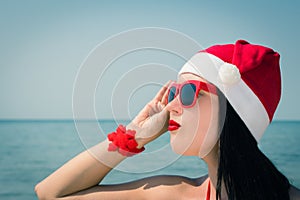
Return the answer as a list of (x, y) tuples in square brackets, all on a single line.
[(200, 85)]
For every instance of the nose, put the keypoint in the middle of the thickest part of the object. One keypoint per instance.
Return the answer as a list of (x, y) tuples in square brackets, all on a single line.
[(174, 107)]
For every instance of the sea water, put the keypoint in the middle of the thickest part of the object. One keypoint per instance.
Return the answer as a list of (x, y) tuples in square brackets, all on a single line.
[(31, 150)]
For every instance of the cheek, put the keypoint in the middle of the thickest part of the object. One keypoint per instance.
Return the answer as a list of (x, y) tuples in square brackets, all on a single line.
[(209, 127)]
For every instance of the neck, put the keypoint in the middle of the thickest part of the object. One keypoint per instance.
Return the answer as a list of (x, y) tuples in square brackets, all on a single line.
[(212, 161)]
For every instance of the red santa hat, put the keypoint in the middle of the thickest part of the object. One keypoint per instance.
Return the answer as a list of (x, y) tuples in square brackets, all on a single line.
[(249, 77)]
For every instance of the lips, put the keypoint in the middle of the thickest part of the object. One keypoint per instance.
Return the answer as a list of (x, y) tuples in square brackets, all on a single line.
[(173, 125)]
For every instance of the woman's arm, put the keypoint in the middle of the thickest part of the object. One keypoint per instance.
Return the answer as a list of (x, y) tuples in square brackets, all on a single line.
[(82, 172), (90, 167), (79, 178)]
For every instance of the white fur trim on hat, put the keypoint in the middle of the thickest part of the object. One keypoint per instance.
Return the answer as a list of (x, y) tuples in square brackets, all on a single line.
[(227, 78)]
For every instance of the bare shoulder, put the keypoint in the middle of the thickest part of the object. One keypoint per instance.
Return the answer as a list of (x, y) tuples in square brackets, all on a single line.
[(294, 193), (154, 187), (171, 180), (173, 187)]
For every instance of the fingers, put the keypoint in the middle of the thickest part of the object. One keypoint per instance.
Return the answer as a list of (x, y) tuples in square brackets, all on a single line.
[(156, 105), (162, 93), (164, 99)]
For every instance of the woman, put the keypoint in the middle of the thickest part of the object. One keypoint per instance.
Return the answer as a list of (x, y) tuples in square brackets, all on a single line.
[(218, 110)]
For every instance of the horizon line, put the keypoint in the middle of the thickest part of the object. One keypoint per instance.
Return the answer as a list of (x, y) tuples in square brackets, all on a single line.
[(89, 120)]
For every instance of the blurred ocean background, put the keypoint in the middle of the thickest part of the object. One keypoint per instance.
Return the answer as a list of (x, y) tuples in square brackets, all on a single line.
[(31, 150)]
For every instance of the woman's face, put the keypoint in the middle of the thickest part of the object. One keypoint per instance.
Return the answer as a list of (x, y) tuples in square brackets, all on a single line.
[(198, 131)]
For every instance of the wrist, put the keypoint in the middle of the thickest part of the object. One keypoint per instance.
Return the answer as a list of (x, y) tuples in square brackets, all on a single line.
[(140, 140), (123, 140)]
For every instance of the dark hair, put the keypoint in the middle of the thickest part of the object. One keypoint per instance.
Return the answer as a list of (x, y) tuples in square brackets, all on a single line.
[(244, 170)]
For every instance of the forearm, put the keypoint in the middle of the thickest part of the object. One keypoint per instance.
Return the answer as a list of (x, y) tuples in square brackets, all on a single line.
[(83, 171)]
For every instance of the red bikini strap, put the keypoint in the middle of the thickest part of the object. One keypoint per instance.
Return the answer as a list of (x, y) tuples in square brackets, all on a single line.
[(208, 191)]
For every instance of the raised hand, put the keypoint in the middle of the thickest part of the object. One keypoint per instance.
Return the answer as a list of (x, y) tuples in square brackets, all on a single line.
[(152, 120)]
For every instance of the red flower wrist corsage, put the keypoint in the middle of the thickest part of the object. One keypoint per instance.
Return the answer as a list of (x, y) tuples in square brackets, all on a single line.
[(123, 141)]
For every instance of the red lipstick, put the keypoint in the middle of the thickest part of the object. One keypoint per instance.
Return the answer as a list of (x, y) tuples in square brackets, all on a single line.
[(173, 125)]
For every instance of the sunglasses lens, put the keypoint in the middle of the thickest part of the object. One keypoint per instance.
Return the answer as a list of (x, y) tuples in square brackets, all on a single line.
[(188, 94), (172, 94)]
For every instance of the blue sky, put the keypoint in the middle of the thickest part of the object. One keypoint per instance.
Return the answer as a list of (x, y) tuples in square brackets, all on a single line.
[(44, 43)]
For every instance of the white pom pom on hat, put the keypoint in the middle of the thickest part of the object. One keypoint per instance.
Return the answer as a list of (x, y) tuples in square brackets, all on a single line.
[(247, 74)]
